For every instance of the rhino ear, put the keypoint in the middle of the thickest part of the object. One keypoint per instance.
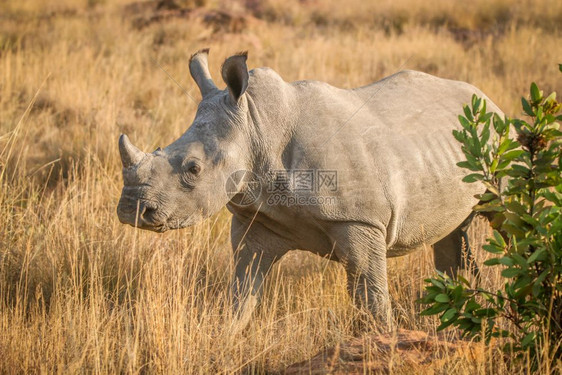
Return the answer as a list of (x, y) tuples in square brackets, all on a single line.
[(235, 75), (199, 69)]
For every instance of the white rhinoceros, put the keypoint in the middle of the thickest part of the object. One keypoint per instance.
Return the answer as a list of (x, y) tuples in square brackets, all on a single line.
[(356, 175)]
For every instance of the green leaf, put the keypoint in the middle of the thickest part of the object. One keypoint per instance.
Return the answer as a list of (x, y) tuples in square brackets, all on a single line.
[(523, 171), (486, 197), (468, 114), (510, 272), (446, 324), (537, 255), (536, 95), (530, 220), (442, 298), (493, 206), (459, 136), (476, 106), (499, 238), (506, 145), (493, 248), (434, 309), (499, 124), (473, 177), (489, 312), (464, 324), (516, 207), (477, 321), (486, 116), (471, 306), (464, 122), (492, 262), (485, 136), (494, 165), (457, 294), (519, 260), (527, 107), (438, 284), (447, 315), (542, 276), (468, 165), (550, 98), (502, 165), (428, 298), (463, 280), (513, 230), (507, 261), (510, 155), (523, 288), (537, 289), (529, 338)]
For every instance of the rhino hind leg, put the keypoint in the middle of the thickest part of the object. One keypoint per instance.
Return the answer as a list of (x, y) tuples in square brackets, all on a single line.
[(453, 252)]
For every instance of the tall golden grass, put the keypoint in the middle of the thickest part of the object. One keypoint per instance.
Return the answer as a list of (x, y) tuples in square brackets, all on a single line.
[(79, 292)]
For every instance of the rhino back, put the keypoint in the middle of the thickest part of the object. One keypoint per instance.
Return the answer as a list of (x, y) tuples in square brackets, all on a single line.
[(391, 144)]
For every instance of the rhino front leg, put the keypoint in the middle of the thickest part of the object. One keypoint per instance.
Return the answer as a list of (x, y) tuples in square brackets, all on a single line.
[(362, 249), (256, 249)]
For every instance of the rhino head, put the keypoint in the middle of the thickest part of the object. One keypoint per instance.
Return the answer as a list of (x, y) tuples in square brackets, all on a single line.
[(184, 183)]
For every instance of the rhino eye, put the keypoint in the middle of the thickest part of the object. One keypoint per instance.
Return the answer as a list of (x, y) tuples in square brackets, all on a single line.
[(194, 169)]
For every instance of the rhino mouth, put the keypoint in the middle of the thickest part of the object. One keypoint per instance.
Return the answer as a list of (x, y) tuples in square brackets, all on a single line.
[(170, 225), (159, 228)]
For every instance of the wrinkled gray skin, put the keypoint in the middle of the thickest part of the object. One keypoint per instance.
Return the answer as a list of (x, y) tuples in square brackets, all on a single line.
[(390, 142)]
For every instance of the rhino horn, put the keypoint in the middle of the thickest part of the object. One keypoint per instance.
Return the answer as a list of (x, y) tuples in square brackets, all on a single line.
[(130, 155), (199, 69)]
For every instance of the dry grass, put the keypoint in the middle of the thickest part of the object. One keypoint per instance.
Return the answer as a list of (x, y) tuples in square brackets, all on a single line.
[(80, 292)]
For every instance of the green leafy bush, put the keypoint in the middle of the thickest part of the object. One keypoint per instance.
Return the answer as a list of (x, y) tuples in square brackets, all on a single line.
[(519, 162)]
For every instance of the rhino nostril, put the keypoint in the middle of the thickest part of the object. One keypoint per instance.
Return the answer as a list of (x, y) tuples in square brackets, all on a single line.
[(148, 212)]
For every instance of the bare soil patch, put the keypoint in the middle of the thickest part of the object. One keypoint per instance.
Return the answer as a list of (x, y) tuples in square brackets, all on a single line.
[(397, 352)]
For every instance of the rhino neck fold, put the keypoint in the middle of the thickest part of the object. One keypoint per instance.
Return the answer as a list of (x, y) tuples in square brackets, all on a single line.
[(272, 123)]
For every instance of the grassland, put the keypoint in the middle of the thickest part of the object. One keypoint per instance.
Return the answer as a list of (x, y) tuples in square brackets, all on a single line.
[(79, 292)]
